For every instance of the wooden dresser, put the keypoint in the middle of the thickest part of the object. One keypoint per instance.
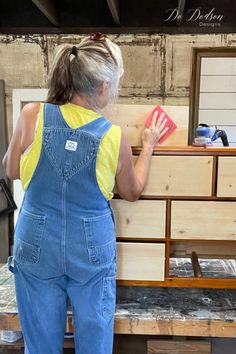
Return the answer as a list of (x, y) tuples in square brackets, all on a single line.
[(188, 209)]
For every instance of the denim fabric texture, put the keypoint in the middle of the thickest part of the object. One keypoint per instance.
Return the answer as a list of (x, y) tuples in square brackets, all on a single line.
[(64, 243)]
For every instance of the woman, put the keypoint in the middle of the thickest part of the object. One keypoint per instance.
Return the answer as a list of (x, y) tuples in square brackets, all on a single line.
[(69, 157)]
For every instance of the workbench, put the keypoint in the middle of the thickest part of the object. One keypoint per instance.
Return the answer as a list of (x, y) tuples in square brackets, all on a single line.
[(149, 310)]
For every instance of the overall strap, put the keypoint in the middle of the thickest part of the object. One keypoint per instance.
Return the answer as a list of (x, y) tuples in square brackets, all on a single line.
[(97, 127), (53, 117)]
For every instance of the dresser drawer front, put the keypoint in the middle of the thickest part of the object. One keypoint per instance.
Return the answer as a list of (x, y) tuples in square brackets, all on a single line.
[(203, 220), (141, 219), (140, 261), (180, 176), (226, 181)]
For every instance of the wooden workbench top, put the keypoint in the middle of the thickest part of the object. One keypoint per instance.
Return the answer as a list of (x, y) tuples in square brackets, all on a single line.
[(150, 310)]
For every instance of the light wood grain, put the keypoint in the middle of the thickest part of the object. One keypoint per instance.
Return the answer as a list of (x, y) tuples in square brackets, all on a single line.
[(180, 176), (141, 219), (226, 183), (140, 261), (178, 347), (204, 220), (131, 119)]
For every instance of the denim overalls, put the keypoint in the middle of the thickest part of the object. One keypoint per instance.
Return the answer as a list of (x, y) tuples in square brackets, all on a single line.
[(64, 243)]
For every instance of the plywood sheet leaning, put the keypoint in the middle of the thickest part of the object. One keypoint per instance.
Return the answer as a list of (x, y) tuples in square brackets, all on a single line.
[(131, 118)]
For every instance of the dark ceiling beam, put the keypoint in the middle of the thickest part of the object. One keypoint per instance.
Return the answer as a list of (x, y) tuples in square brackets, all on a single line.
[(114, 8), (181, 6), (48, 8)]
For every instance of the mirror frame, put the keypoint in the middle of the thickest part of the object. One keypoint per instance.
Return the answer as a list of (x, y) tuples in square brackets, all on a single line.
[(197, 55)]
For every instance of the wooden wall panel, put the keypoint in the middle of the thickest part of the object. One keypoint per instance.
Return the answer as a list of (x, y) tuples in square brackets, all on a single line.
[(203, 220), (141, 219), (180, 176), (226, 182), (178, 347), (140, 261)]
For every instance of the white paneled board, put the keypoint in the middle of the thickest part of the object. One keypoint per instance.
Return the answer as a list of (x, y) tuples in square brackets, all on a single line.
[(131, 118), (217, 104)]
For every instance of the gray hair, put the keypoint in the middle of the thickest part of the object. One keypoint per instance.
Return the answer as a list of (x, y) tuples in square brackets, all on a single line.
[(82, 69)]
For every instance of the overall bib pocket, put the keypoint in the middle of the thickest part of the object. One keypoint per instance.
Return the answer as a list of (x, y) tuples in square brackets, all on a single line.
[(28, 236), (100, 238)]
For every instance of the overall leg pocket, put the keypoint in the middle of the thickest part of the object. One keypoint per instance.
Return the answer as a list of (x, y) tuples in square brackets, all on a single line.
[(100, 238), (109, 297), (28, 236)]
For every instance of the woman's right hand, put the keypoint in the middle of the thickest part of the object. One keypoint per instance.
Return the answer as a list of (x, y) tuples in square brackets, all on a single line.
[(130, 179), (153, 134)]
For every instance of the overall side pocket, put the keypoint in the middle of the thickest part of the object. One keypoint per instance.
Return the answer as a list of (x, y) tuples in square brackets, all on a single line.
[(100, 238), (28, 236)]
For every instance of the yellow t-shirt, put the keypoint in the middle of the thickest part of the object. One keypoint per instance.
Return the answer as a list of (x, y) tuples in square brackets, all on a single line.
[(108, 153)]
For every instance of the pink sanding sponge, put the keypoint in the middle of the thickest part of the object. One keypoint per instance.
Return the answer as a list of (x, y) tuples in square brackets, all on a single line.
[(169, 122)]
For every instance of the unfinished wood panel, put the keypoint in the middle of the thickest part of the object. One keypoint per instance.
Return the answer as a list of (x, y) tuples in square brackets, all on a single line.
[(180, 176), (178, 347), (141, 219), (203, 220), (218, 66), (131, 119), (140, 261), (226, 182)]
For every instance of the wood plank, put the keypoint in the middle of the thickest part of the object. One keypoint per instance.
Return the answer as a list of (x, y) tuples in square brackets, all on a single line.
[(226, 182), (131, 119), (210, 83), (130, 218), (203, 220), (176, 327), (140, 261), (218, 66), (178, 347), (180, 176), (217, 100)]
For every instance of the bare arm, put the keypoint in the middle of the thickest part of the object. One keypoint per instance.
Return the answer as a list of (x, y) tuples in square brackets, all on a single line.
[(130, 178), (22, 137)]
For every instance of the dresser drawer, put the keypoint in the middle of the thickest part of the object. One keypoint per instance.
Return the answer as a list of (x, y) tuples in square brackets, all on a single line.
[(226, 181), (180, 176), (203, 220), (140, 261), (141, 219)]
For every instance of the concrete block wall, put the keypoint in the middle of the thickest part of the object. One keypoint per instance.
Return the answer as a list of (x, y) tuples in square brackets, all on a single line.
[(157, 67)]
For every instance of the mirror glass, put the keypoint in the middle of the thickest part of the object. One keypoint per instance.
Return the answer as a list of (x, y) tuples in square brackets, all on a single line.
[(213, 92)]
